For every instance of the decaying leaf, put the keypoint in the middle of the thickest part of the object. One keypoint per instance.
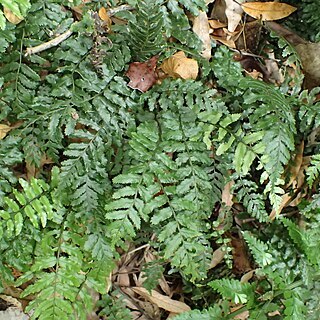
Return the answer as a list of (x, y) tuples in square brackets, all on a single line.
[(11, 17), (201, 29), (227, 196), (217, 257), (233, 13), (179, 66), (309, 54), (162, 301), (4, 129), (241, 261), (142, 75), (103, 15), (268, 11), (216, 24)]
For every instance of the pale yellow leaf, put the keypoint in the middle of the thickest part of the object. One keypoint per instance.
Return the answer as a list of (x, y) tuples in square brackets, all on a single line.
[(179, 66), (11, 17), (233, 13), (268, 11), (4, 129), (201, 29), (162, 301)]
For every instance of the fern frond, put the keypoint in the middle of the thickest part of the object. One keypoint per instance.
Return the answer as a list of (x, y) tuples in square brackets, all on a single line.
[(259, 249), (234, 290), (145, 34), (215, 312), (313, 170), (275, 116), (247, 192)]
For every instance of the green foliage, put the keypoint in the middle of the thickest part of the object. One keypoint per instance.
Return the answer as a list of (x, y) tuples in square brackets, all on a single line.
[(17, 7), (234, 290), (90, 164), (146, 31)]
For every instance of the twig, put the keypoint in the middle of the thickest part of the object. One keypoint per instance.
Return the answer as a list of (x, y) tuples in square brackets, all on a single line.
[(47, 45), (115, 10), (54, 42)]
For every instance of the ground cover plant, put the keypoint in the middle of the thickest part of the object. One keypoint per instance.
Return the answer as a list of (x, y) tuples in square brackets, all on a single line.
[(160, 159)]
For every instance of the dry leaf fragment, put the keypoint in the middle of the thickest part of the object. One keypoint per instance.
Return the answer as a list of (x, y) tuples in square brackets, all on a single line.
[(233, 13), (217, 257), (142, 75), (4, 129), (162, 301), (268, 11), (104, 16), (179, 66), (216, 24), (11, 17), (201, 29), (227, 196)]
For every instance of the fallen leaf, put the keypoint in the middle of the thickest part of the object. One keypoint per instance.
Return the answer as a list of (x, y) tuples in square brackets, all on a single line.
[(234, 14), (162, 301), (217, 257), (216, 24), (104, 16), (228, 43), (11, 17), (267, 11), (285, 200), (310, 58), (201, 29), (179, 66), (241, 261), (296, 164), (247, 276), (142, 75), (227, 196), (4, 129)]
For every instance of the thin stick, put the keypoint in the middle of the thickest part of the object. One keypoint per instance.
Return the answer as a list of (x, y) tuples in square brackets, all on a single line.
[(47, 45), (54, 42)]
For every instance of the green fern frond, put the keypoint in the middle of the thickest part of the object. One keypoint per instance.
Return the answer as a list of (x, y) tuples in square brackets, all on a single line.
[(145, 34), (234, 290), (313, 170), (259, 249), (274, 115), (215, 312), (247, 193)]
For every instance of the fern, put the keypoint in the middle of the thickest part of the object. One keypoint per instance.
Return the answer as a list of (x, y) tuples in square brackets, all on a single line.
[(276, 117), (313, 170), (234, 290), (17, 7), (253, 201), (145, 32)]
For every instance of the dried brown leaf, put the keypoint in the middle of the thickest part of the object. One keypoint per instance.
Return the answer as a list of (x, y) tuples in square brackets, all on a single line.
[(216, 24), (217, 257), (268, 11), (11, 17), (227, 196), (228, 43), (233, 13), (179, 66), (142, 75), (201, 29), (162, 301), (247, 276), (4, 129)]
